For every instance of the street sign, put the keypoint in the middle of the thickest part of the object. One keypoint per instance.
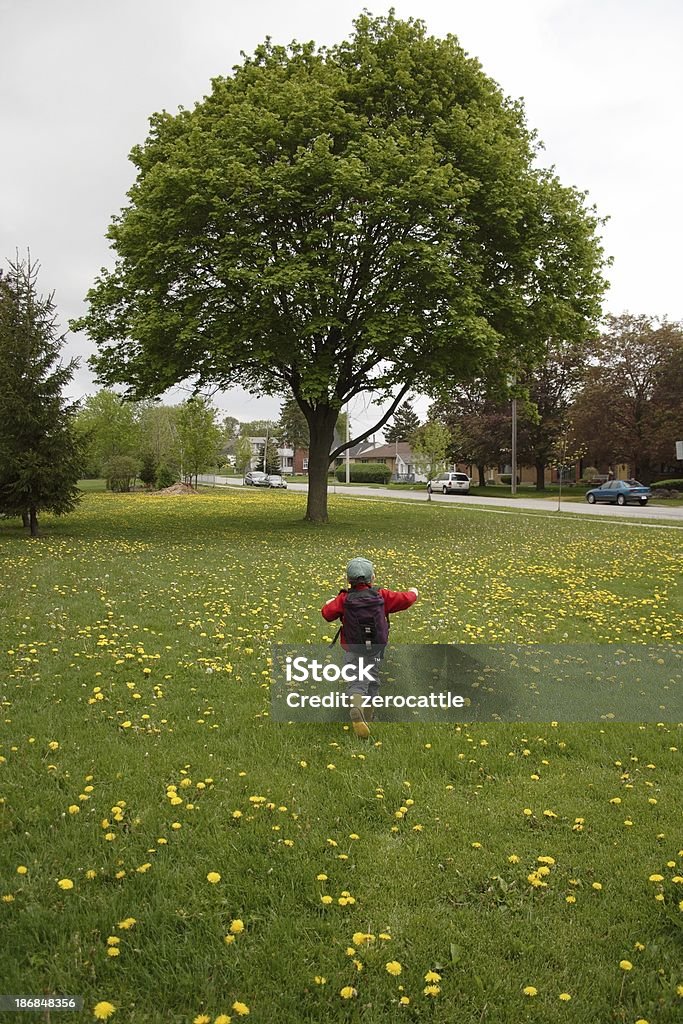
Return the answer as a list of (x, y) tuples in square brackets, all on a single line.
[(679, 450)]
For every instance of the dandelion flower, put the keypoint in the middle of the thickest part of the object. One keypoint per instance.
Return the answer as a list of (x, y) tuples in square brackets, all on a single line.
[(213, 877), (65, 883), (404, 1001), (222, 1018), (564, 996), (432, 976), (431, 990), (326, 900), (529, 990), (22, 869), (236, 926), (348, 992), (241, 1008), (103, 1010), (626, 965), (394, 968)]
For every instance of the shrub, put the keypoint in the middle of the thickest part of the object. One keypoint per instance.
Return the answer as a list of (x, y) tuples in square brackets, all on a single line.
[(669, 484), (120, 471), (365, 472), (506, 478), (166, 476), (148, 469), (590, 474)]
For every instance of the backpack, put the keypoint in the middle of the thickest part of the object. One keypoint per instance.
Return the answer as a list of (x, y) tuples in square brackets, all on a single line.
[(364, 620)]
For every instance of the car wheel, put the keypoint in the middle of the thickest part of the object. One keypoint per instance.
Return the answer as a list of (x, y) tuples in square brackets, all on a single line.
[(643, 501), (621, 500), (590, 498), (445, 490)]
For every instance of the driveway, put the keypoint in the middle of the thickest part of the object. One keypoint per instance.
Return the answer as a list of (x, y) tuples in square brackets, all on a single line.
[(628, 512)]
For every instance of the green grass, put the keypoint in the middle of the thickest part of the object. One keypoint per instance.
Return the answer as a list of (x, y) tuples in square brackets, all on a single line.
[(135, 634)]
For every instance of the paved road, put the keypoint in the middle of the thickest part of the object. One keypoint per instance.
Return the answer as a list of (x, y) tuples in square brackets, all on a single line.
[(629, 512)]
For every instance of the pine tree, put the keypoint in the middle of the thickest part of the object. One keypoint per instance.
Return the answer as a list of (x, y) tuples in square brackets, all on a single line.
[(404, 423), (41, 453)]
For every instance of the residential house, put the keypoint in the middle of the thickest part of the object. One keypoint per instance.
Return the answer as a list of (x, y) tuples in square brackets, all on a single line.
[(285, 455), (398, 456)]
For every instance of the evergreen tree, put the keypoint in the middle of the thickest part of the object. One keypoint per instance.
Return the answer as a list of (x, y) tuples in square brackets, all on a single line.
[(405, 422), (42, 455), (271, 462)]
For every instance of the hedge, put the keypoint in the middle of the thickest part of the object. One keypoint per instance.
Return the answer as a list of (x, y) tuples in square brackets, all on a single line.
[(670, 484), (365, 473)]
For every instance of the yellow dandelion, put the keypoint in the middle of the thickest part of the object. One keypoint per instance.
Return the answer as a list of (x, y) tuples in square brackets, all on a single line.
[(394, 968), (236, 926), (348, 992), (213, 877), (241, 1008), (626, 965), (103, 1010), (529, 990), (65, 883)]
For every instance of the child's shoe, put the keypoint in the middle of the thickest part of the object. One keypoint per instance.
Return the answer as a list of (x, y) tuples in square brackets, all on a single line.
[(358, 723)]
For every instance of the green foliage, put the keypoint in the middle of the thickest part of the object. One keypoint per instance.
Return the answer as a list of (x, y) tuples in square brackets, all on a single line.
[(112, 427), (337, 221), (293, 428), (670, 484), (365, 472), (631, 409), (198, 436), (120, 471), (268, 460), (506, 478), (166, 476), (42, 455), (404, 424), (148, 469), (243, 454), (429, 445)]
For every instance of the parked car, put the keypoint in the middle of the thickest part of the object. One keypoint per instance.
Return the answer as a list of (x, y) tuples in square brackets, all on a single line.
[(255, 478), (275, 480), (451, 483), (619, 492)]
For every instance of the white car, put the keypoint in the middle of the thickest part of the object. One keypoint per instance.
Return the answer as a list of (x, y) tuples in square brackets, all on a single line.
[(451, 483)]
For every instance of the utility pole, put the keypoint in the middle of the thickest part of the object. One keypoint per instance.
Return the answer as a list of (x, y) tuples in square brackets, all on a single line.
[(513, 454), (348, 436)]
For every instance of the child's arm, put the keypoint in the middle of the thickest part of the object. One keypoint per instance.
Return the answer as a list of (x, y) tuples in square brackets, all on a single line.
[(332, 609), (399, 600)]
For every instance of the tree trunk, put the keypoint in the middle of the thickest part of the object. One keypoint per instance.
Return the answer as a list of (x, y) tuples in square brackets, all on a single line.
[(321, 425), (25, 519), (540, 475), (33, 520), (482, 475)]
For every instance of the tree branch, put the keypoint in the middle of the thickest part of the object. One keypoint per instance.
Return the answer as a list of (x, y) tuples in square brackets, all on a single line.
[(380, 423)]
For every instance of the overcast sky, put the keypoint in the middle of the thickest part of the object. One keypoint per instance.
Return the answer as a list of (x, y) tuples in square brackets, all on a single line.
[(601, 81)]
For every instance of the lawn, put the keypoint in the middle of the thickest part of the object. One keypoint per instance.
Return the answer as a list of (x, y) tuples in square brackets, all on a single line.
[(167, 849)]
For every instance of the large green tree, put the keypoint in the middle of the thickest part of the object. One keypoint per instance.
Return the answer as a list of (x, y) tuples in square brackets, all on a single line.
[(631, 407), (478, 420), (41, 453), (341, 221)]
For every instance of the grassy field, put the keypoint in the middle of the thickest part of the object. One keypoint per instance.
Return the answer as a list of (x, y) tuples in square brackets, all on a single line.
[(167, 849)]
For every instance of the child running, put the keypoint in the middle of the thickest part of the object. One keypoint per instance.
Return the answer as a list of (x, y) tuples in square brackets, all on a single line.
[(364, 612)]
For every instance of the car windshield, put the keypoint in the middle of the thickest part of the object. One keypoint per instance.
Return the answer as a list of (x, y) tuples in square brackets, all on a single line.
[(634, 483), (461, 476)]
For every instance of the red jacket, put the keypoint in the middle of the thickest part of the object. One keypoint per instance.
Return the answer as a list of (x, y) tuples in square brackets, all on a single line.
[(394, 601)]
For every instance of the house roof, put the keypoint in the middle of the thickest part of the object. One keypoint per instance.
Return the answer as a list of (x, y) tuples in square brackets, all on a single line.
[(386, 451)]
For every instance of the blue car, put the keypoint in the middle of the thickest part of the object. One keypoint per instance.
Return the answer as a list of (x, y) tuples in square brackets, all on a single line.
[(619, 492)]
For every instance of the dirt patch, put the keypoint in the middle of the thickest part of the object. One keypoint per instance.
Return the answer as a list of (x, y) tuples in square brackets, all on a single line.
[(178, 489)]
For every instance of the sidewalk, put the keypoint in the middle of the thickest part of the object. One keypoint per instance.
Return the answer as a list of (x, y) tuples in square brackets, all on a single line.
[(628, 512)]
